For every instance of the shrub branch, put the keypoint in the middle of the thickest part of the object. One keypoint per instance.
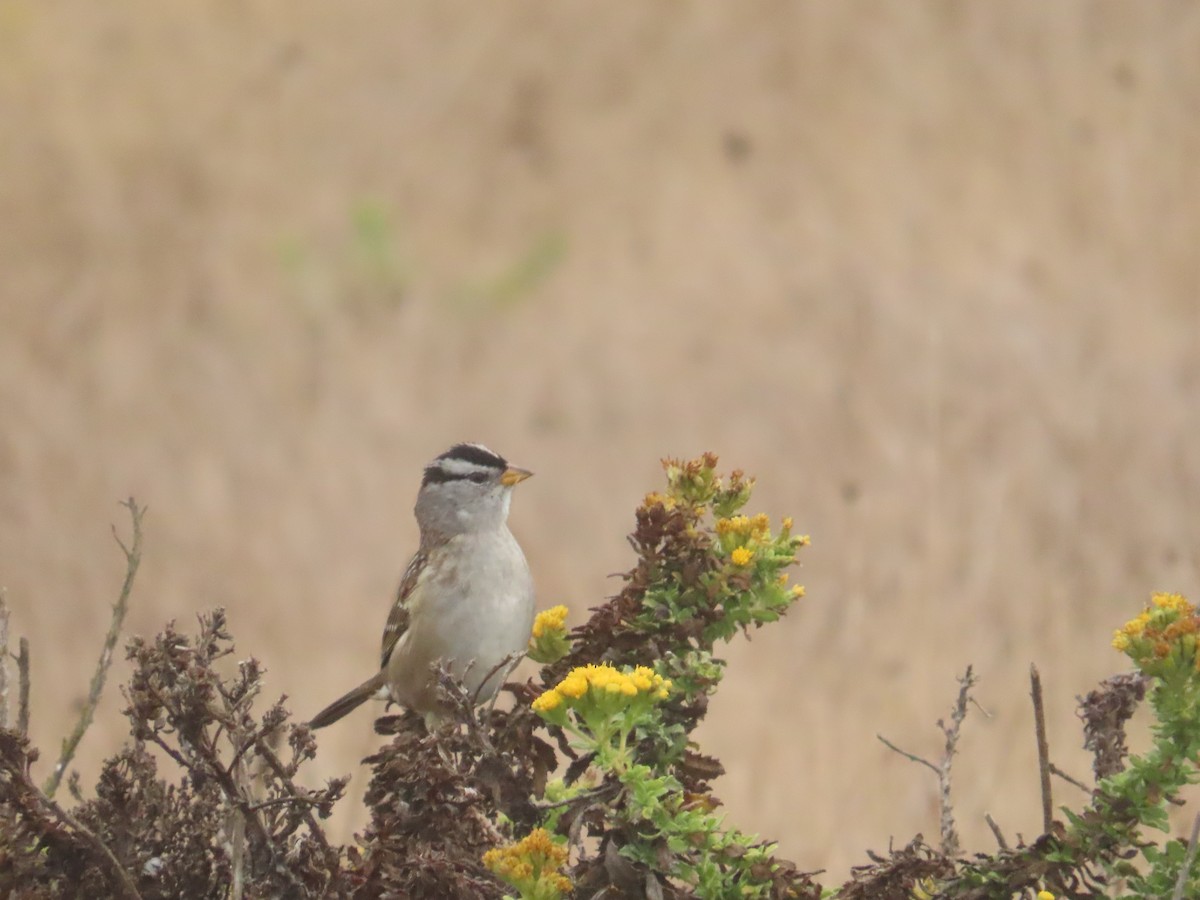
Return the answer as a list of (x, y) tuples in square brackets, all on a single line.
[(1043, 747), (3, 661), (23, 687), (949, 834), (133, 558)]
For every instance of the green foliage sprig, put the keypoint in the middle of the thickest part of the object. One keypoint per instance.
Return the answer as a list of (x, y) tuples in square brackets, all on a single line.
[(1090, 854), (636, 681), (1162, 642)]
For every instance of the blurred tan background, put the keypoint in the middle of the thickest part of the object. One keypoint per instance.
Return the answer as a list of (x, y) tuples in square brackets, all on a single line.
[(929, 270)]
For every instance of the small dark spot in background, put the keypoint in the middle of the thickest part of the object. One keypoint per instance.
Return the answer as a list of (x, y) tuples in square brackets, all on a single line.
[(1033, 273), (1124, 76), (738, 146)]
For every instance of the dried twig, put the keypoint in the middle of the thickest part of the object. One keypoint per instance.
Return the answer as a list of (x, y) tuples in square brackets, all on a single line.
[(1043, 745), (73, 787), (1185, 870), (207, 762), (23, 688), (1069, 779), (3, 661), (276, 765), (996, 832), (910, 756), (949, 840), (237, 825), (237, 854), (601, 791), (133, 557), (285, 801), (949, 834)]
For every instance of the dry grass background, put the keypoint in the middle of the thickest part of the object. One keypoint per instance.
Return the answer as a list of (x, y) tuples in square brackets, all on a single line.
[(928, 269)]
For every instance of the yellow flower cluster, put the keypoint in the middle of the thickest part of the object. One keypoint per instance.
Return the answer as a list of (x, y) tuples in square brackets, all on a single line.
[(1161, 635), (553, 619), (603, 680), (797, 589), (1173, 603), (1045, 895), (756, 528), (531, 863), (654, 498), (548, 641), (746, 530), (1122, 637)]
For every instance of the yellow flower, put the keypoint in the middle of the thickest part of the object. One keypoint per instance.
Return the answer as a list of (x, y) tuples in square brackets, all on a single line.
[(552, 619), (782, 580), (531, 864), (654, 498), (787, 523), (508, 867), (539, 842), (733, 525), (606, 681), (599, 677), (798, 591), (741, 556), (804, 540), (1135, 627), (1162, 637), (1045, 895), (760, 526), (1173, 602), (548, 642), (575, 685)]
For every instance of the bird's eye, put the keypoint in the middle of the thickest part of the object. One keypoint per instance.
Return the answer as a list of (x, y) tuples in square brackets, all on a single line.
[(478, 477)]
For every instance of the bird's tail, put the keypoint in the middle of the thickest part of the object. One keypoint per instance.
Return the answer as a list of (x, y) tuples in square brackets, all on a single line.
[(347, 702)]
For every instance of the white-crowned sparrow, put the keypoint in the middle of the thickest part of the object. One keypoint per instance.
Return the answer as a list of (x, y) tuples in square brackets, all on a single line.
[(466, 597)]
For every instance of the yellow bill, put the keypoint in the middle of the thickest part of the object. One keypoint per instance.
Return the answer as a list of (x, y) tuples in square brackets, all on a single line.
[(512, 475)]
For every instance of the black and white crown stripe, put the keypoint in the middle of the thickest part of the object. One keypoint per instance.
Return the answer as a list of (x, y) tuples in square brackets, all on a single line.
[(465, 462)]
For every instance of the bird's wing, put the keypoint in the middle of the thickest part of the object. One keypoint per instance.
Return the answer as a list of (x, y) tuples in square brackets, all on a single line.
[(398, 618)]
